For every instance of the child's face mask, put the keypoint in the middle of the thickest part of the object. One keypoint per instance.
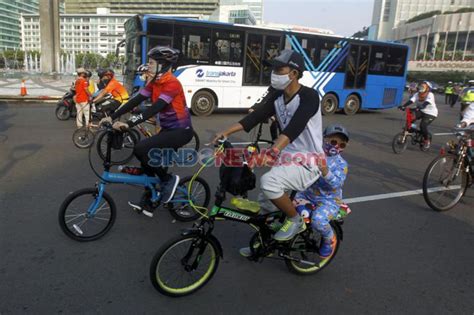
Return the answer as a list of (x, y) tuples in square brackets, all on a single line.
[(333, 147)]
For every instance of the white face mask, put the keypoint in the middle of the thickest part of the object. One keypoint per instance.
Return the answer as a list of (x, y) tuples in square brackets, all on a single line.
[(280, 81)]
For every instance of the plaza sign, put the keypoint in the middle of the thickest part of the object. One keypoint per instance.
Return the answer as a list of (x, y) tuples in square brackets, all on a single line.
[(466, 66)]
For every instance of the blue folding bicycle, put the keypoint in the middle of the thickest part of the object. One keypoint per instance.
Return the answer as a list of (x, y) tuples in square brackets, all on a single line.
[(88, 214)]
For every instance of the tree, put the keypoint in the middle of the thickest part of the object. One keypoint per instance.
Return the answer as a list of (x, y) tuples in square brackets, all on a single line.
[(363, 33)]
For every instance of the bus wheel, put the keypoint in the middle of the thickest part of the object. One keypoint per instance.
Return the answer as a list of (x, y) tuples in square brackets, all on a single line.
[(203, 103), (352, 105), (330, 104)]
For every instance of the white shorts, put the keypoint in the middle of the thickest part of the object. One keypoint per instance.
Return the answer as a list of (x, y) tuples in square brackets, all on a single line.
[(283, 178)]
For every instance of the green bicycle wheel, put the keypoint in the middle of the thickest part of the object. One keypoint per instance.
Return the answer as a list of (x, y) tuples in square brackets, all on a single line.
[(184, 265), (304, 253)]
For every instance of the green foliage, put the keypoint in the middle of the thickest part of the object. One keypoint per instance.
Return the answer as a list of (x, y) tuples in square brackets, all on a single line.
[(15, 58), (423, 16), (363, 33)]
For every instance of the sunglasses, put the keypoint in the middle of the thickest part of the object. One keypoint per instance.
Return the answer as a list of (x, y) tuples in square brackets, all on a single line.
[(342, 145)]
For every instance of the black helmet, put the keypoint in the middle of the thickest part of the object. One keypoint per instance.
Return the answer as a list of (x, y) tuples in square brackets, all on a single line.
[(162, 53), (88, 73), (100, 73), (336, 129)]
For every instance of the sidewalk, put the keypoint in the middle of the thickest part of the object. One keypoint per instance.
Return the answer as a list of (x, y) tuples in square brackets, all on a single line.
[(38, 87)]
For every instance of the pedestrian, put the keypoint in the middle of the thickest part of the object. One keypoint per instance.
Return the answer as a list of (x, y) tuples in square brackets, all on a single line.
[(82, 98), (457, 90), (467, 97)]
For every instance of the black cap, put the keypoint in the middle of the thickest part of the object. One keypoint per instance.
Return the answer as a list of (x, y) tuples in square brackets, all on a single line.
[(288, 58)]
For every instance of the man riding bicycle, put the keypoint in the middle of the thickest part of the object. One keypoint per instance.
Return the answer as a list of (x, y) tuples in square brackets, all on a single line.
[(296, 108), (169, 105), (113, 87), (425, 110)]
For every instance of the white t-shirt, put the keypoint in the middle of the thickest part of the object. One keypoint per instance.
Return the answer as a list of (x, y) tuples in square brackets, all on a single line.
[(431, 108), (468, 115)]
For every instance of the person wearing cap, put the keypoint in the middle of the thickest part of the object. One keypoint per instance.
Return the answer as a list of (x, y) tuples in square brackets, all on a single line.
[(296, 107), (82, 97), (425, 110), (448, 92)]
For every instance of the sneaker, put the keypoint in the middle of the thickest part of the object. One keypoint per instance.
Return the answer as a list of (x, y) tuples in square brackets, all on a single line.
[(143, 206), (327, 248), (426, 144), (168, 188), (289, 230)]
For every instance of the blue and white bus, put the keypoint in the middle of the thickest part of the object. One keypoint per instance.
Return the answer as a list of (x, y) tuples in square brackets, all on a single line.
[(222, 65)]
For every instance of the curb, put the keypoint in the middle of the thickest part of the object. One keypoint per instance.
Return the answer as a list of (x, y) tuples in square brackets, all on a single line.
[(29, 98)]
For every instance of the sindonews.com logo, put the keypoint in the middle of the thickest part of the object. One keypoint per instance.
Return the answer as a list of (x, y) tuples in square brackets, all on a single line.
[(234, 157)]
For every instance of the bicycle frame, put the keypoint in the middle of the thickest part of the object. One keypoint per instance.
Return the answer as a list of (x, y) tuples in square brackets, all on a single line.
[(108, 177)]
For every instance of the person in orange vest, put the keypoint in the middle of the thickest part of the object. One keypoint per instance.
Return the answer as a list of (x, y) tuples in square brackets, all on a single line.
[(82, 98), (114, 87)]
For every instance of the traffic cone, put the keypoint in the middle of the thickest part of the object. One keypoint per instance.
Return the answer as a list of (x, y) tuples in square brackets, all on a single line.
[(23, 88)]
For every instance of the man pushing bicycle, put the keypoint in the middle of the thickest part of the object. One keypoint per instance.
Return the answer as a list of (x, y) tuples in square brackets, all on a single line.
[(296, 107)]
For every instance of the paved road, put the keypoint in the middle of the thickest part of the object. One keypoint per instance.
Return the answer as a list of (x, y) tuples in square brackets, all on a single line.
[(398, 256)]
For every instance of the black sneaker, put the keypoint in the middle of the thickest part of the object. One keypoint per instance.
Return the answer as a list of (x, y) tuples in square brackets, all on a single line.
[(168, 188)]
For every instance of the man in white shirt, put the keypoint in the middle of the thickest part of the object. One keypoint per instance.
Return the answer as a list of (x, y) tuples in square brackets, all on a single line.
[(425, 110), (296, 107)]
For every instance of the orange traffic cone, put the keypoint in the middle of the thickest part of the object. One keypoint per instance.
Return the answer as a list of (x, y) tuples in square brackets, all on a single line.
[(23, 88)]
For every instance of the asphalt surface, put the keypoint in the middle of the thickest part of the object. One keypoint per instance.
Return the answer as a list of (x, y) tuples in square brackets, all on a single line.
[(398, 255)]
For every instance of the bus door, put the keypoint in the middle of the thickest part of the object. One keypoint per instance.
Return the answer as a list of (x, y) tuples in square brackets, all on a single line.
[(356, 68), (256, 78)]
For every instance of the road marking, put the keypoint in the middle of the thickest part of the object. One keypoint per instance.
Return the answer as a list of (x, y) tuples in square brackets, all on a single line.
[(396, 194), (444, 134)]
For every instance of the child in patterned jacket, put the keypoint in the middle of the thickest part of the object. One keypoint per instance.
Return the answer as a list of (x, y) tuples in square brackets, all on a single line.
[(322, 200)]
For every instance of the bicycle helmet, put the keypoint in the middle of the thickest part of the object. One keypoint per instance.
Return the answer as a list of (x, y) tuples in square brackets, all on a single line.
[(163, 54), (336, 129), (88, 73), (471, 82), (100, 73), (109, 72)]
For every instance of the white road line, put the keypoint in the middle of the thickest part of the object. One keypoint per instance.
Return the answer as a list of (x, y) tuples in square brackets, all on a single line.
[(396, 194), (444, 134)]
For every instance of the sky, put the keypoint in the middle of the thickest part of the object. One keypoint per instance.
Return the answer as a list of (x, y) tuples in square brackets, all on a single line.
[(343, 17)]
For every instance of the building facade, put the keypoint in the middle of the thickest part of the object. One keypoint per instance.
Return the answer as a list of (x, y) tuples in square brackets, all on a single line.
[(10, 14), (172, 7), (98, 33), (388, 14), (255, 6), (441, 37), (238, 14)]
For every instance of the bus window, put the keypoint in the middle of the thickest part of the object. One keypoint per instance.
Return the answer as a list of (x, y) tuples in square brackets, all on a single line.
[(253, 57), (227, 48), (272, 49), (324, 48), (160, 28), (396, 61), (362, 65), (377, 60), (351, 67), (195, 45), (159, 41)]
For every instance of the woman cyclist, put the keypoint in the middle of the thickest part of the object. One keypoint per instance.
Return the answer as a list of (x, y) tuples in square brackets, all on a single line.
[(169, 105), (425, 110)]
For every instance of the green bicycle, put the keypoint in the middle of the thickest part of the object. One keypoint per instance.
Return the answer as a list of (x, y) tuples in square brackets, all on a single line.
[(186, 263)]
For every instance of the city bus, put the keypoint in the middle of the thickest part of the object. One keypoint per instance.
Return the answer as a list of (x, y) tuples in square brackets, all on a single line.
[(223, 65)]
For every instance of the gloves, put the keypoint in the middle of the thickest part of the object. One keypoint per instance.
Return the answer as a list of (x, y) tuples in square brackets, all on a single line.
[(106, 120), (120, 126)]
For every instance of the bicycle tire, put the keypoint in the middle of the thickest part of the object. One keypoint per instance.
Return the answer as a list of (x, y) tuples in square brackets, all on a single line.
[(161, 281), (74, 233), (428, 195), (115, 159), (83, 138), (322, 262), (397, 146), (179, 212)]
